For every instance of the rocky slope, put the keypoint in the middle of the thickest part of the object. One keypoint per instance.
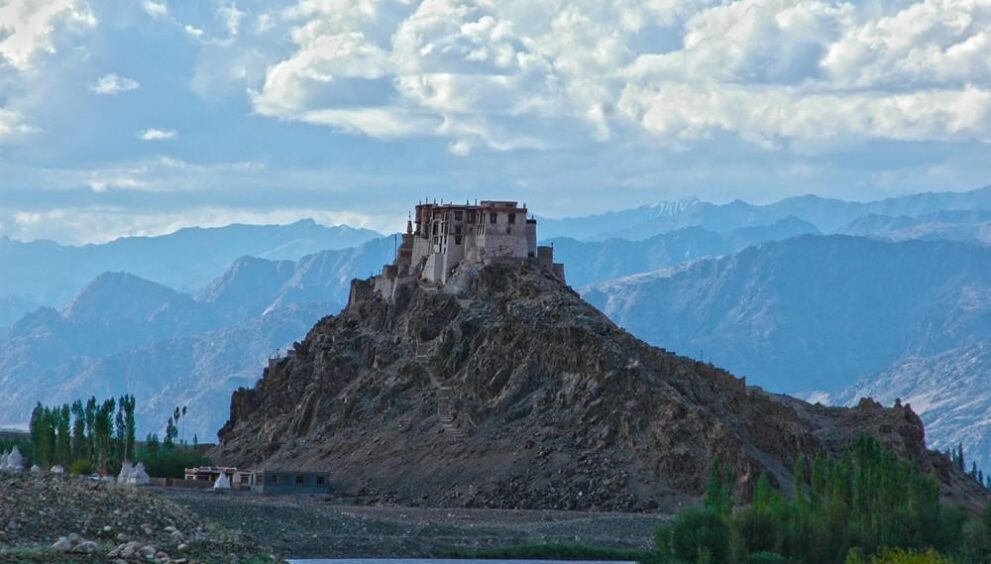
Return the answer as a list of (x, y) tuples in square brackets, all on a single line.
[(948, 390), (506, 389)]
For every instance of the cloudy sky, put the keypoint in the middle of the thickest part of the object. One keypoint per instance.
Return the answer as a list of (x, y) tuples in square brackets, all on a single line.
[(129, 116)]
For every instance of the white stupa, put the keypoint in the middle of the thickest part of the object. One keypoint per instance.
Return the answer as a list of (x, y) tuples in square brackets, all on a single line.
[(3, 462), (138, 476), (222, 483), (57, 469), (35, 469), (126, 469), (15, 462)]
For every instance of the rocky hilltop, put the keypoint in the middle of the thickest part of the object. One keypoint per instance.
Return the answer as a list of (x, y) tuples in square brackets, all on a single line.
[(503, 388)]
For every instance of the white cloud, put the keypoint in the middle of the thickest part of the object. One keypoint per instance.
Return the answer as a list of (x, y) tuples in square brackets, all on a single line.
[(111, 84), (800, 74), (157, 134), (12, 124), (155, 9), (27, 27), (232, 18)]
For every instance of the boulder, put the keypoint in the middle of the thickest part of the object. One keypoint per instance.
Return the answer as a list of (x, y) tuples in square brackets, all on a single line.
[(62, 545)]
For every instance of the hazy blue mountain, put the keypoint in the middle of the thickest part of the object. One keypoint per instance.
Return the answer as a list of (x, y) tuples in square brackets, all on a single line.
[(254, 286), (811, 313), (961, 225), (12, 309), (786, 228), (114, 312), (588, 262), (198, 371), (950, 391), (49, 273), (600, 225), (122, 333), (826, 215)]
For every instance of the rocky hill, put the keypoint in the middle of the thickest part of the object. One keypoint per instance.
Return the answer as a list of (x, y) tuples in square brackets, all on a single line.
[(948, 390), (505, 389)]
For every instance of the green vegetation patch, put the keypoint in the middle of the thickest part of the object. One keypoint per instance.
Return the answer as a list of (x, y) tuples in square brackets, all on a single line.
[(543, 551), (867, 506)]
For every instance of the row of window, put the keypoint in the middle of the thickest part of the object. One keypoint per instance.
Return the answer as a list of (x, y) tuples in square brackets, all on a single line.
[(493, 217), (300, 480)]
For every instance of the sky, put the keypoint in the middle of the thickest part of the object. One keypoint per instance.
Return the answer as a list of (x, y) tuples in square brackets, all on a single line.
[(122, 117)]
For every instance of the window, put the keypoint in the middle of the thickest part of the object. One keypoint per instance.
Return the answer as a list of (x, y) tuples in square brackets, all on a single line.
[(275, 479), (435, 229), (321, 480), (471, 217), (457, 239), (458, 215), (493, 217), (300, 480), (457, 230), (512, 218)]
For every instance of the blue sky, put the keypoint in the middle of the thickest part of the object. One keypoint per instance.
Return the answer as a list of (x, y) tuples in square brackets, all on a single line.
[(138, 117)]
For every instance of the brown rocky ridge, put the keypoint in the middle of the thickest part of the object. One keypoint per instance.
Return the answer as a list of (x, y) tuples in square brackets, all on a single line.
[(503, 388)]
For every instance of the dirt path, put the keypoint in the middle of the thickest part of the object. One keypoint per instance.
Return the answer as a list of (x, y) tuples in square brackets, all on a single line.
[(311, 526)]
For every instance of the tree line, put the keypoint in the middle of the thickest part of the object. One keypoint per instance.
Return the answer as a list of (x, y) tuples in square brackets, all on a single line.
[(863, 507), (84, 436)]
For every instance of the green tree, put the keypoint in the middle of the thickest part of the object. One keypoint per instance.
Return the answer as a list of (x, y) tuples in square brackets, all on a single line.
[(63, 438), (129, 427), (78, 431), (700, 534)]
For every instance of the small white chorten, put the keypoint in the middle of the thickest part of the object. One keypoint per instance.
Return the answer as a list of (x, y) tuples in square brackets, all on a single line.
[(222, 482)]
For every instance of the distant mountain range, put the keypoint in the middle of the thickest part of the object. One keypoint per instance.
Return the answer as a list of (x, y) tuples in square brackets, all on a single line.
[(588, 262), (46, 273), (811, 313), (122, 333), (827, 215)]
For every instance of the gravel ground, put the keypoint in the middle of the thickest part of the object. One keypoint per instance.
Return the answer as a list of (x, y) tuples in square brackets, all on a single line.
[(58, 518), (319, 527)]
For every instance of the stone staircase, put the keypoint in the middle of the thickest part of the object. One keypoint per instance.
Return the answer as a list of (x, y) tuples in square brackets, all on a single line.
[(446, 396), (445, 414)]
